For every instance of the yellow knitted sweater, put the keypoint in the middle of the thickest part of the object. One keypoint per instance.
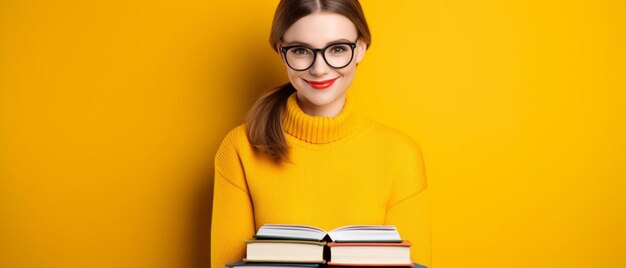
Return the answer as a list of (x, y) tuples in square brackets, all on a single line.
[(342, 170)]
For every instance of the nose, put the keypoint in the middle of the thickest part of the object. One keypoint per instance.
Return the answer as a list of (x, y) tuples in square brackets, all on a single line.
[(319, 67)]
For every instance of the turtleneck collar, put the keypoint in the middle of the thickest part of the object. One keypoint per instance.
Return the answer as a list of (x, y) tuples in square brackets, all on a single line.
[(319, 129)]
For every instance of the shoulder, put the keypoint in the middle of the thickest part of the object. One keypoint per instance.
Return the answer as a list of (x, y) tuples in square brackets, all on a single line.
[(229, 150), (405, 158), (393, 138), (235, 135), (402, 151), (233, 139)]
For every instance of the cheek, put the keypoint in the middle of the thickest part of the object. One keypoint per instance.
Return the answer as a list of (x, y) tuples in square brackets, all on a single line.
[(294, 78), (348, 71), (293, 75)]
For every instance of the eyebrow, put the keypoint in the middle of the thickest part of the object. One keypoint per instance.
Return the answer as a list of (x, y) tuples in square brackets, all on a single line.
[(309, 45)]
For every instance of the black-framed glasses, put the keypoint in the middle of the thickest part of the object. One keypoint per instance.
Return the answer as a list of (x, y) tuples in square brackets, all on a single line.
[(336, 55)]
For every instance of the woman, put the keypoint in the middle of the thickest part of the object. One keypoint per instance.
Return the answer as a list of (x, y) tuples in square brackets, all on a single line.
[(304, 156)]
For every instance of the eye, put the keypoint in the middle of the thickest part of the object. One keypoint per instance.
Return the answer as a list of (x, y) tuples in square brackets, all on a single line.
[(338, 49), (299, 51)]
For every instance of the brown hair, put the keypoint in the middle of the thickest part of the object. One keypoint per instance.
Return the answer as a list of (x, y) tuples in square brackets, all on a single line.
[(264, 120)]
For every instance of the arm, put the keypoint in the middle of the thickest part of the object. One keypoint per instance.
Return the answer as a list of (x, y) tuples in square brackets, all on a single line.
[(413, 222), (233, 218), (408, 207)]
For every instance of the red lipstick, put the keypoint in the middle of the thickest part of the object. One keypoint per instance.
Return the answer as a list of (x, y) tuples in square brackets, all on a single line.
[(321, 84)]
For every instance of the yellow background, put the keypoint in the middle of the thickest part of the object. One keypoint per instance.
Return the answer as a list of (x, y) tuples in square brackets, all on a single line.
[(111, 113)]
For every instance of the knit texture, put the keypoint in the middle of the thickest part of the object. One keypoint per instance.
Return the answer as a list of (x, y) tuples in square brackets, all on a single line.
[(341, 170)]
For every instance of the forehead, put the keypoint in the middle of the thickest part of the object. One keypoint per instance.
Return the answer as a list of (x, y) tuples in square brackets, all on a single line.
[(320, 28)]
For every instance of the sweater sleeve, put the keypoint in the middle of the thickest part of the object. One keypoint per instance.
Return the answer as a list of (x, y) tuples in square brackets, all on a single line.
[(408, 206), (232, 217)]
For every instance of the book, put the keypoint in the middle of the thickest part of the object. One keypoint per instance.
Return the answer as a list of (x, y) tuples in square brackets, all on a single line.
[(351, 233), (370, 254), (415, 265), (282, 251), (272, 265)]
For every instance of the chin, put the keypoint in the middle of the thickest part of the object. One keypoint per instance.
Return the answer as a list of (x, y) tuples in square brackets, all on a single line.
[(320, 102), (323, 98)]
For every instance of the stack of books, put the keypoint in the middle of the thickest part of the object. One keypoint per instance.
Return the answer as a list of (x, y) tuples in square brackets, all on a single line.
[(297, 246)]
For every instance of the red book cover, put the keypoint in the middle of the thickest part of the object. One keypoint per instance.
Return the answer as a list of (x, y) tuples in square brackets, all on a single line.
[(329, 264), (404, 243)]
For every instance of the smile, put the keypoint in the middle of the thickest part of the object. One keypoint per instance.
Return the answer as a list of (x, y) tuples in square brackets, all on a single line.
[(321, 84)]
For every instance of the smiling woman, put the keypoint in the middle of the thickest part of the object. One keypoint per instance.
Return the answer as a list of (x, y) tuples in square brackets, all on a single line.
[(335, 73), (304, 156)]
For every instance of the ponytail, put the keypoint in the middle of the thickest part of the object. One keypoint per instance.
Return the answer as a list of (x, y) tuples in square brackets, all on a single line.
[(264, 124)]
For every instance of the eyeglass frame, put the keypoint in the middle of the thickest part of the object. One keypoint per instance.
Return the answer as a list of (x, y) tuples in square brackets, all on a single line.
[(322, 50)]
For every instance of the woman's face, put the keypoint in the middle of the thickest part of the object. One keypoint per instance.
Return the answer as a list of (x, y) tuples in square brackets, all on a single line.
[(319, 30)]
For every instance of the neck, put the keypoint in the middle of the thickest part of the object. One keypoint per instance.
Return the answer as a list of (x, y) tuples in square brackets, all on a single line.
[(330, 110)]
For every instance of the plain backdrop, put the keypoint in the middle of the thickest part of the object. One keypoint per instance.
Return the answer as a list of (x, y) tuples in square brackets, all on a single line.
[(111, 113)]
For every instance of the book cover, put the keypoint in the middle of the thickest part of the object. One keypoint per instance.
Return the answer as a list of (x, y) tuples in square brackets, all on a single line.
[(414, 265), (404, 243), (272, 264), (331, 264), (282, 261)]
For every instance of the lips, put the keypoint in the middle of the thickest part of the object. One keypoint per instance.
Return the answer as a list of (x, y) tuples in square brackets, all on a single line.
[(321, 84)]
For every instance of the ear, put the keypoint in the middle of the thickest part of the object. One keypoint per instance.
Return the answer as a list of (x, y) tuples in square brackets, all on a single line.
[(361, 48)]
